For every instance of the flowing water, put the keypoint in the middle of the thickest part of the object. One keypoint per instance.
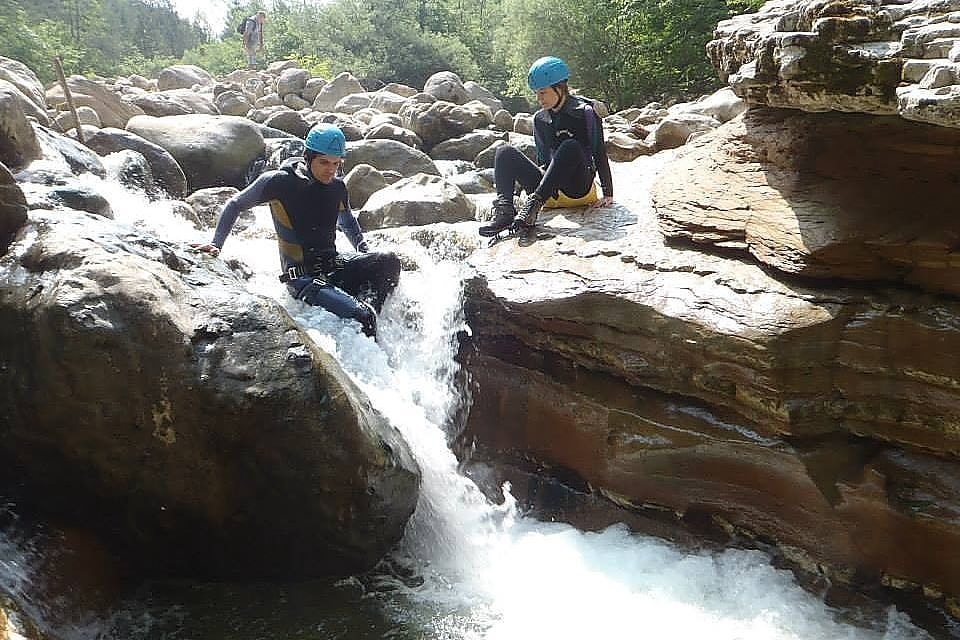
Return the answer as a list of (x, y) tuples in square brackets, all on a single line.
[(467, 568)]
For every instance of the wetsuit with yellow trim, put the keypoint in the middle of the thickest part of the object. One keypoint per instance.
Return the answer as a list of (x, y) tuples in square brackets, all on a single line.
[(306, 215)]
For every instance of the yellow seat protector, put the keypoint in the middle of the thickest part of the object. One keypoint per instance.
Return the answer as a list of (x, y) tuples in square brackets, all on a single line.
[(563, 201)]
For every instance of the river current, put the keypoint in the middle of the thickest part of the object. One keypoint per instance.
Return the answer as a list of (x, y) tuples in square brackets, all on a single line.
[(467, 568)]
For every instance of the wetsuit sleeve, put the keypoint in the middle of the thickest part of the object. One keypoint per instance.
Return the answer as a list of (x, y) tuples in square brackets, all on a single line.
[(600, 159), (347, 223), (253, 195)]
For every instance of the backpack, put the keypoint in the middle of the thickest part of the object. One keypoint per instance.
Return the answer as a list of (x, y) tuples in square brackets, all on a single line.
[(242, 27)]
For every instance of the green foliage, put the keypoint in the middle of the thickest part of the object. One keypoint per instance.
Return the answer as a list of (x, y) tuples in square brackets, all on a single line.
[(622, 51)]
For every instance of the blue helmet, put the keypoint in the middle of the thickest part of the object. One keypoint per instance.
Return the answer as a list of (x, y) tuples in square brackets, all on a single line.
[(546, 72), (327, 139)]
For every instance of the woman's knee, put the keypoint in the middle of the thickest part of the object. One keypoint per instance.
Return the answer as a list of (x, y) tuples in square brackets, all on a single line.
[(505, 151)]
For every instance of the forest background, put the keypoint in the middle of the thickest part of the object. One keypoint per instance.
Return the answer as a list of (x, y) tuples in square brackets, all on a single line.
[(625, 52)]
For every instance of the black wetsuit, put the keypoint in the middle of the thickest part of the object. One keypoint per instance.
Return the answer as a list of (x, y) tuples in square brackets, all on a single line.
[(306, 215), (570, 152)]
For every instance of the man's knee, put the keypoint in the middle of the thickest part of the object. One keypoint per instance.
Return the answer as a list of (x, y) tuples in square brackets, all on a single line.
[(390, 268)]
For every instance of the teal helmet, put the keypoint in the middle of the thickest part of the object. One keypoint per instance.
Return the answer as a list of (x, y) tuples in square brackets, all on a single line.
[(546, 72), (327, 139)]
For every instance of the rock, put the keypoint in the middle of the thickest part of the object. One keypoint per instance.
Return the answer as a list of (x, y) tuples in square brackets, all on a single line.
[(81, 199), (13, 208), (79, 158), (422, 199), (387, 101), (446, 86), (362, 181), (502, 120), (208, 203), (389, 155), (388, 131), (232, 103), (280, 149), (288, 121), (399, 89), (768, 185), (20, 146), (87, 116), (831, 408), (476, 92), (130, 169), (465, 147), (722, 105), (523, 123), (331, 93), (676, 129), (26, 82), (295, 102), (353, 102), (312, 88), (196, 383), (184, 76), (292, 80), (213, 150), (843, 56), (439, 121), (175, 102), (166, 171), (112, 109), (622, 147)]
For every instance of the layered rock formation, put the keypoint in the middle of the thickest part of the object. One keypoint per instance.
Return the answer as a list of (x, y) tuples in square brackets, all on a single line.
[(765, 344)]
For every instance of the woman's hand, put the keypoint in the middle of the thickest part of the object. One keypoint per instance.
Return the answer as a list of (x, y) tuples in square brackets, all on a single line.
[(605, 201)]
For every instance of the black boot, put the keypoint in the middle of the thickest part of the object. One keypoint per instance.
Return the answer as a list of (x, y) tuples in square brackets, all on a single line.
[(503, 215), (527, 218)]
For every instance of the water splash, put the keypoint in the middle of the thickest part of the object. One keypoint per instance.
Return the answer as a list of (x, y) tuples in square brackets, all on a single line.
[(482, 570)]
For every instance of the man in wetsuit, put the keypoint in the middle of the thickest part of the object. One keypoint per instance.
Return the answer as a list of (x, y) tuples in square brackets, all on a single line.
[(309, 202), (570, 150)]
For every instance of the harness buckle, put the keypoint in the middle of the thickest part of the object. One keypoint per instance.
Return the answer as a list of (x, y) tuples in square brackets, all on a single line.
[(292, 273)]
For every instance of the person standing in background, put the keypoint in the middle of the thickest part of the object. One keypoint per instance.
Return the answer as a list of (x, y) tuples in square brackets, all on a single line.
[(253, 37)]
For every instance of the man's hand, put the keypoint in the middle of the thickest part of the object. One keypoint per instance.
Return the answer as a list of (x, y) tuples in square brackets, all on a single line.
[(212, 249), (605, 201), (363, 247)]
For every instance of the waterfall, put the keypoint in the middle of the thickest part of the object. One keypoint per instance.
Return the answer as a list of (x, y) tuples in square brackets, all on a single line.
[(471, 568)]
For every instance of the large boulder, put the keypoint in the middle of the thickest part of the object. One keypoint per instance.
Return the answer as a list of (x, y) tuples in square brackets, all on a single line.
[(13, 208), (389, 155), (113, 110), (213, 150), (446, 86), (331, 93), (880, 58), (800, 193), (232, 103), (86, 115), (292, 80), (18, 142), (363, 181), (24, 79), (438, 121), (184, 76), (420, 200), (820, 419), (78, 157), (148, 395), (467, 146), (174, 102), (166, 171)]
